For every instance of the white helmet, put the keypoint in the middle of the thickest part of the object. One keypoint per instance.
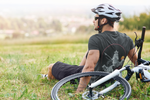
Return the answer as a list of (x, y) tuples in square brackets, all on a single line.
[(109, 11)]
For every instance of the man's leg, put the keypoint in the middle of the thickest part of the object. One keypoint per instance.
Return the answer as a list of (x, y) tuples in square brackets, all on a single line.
[(50, 76), (61, 70)]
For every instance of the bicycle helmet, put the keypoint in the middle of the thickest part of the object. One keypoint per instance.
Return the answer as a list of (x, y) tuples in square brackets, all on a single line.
[(109, 11)]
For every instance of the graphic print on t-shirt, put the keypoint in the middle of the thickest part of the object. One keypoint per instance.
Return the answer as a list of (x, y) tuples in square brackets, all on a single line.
[(113, 59), (115, 62)]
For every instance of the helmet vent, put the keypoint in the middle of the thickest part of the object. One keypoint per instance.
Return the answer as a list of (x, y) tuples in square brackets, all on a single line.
[(110, 13), (118, 14), (101, 11), (100, 7), (110, 9)]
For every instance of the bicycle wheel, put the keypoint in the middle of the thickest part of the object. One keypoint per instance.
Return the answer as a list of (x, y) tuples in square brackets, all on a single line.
[(65, 88)]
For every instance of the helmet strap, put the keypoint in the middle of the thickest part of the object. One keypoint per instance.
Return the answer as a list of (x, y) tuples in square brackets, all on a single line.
[(100, 26)]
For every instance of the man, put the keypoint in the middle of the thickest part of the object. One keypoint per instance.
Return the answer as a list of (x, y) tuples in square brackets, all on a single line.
[(107, 50)]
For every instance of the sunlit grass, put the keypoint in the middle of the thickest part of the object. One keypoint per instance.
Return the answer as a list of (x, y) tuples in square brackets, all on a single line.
[(132, 34), (65, 39), (58, 39), (21, 66)]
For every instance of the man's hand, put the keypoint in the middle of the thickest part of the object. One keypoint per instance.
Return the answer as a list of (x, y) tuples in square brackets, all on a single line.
[(92, 58), (83, 84)]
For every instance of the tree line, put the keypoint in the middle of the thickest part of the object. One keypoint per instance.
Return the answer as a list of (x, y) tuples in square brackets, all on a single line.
[(135, 22), (42, 24)]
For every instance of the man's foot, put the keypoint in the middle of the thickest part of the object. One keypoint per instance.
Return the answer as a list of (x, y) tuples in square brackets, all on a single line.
[(44, 76)]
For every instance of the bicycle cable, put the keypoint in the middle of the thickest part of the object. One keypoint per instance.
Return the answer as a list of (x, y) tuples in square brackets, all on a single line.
[(133, 55)]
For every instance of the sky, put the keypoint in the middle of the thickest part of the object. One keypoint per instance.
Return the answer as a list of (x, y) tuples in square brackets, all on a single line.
[(77, 2), (128, 7)]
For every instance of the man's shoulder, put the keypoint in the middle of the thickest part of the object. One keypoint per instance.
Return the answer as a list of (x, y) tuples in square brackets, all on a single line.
[(123, 34), (94, 36)]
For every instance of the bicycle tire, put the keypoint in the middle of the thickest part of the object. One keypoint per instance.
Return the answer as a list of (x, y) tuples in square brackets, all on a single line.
[(55, 90)]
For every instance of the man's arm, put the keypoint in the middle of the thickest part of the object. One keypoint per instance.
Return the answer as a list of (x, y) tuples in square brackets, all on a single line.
[(93, 57), (83, 60), (133, 56)]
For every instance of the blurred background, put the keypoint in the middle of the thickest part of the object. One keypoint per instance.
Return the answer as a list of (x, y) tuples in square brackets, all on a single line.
[(36, 33), (48, 21)]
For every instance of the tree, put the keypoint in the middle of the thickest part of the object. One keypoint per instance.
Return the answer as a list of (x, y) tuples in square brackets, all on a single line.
[(136, 22)]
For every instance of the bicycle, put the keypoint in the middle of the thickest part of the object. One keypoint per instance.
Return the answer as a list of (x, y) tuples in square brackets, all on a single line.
[(108, 85)]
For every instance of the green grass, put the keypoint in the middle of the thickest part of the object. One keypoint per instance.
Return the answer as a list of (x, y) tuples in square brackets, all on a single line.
[(20, 67)]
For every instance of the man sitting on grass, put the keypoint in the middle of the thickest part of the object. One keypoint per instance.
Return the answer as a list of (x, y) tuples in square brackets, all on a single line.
[(107, 50)]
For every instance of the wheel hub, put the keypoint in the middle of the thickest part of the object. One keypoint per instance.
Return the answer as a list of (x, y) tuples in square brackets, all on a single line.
[(95, 95)]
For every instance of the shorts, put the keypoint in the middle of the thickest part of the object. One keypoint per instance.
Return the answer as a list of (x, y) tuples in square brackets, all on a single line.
[(61, 70)]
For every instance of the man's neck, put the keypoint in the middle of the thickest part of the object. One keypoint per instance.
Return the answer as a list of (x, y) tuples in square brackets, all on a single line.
[(107, 28)]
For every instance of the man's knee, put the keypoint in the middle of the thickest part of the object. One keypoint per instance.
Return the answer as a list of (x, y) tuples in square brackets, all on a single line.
[(50, 66), (50, 76)]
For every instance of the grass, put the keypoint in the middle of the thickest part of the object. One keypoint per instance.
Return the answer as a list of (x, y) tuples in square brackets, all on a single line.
[(58, 39), (21, 66), (132, 34)]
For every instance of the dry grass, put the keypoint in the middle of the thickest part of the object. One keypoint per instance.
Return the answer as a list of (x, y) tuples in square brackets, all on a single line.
[(132, 34), (63, 39)]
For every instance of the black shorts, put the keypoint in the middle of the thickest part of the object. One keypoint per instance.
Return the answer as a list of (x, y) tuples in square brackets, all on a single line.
[(61, 70)]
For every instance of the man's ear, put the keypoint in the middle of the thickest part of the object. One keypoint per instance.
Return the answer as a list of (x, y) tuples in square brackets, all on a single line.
[(104, 20)]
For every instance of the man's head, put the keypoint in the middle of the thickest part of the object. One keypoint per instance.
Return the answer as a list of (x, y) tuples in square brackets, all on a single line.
[(105, 14), (100, 21)]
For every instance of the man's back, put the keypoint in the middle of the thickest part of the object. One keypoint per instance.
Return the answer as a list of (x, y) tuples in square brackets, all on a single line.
[(113, 47)]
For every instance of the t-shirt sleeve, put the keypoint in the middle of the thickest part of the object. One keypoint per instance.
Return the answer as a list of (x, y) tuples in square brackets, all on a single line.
[(93, 43), (128, 42), (131, 44)]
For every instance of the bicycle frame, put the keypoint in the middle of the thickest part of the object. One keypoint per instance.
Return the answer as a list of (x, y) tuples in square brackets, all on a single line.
[(106, 78), (118, 72)]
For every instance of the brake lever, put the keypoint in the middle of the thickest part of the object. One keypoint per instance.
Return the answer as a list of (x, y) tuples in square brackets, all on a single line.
[(136, 41), (146, 63), (136, 36)]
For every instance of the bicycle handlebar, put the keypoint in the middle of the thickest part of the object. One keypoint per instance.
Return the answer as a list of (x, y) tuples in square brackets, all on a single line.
[(142, 39)]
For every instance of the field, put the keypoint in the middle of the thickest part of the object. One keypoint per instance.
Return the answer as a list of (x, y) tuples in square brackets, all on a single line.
[(21, 64), (63, 39)]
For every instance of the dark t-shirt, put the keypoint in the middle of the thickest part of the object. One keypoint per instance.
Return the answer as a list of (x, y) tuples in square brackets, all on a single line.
[(113, 47)]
